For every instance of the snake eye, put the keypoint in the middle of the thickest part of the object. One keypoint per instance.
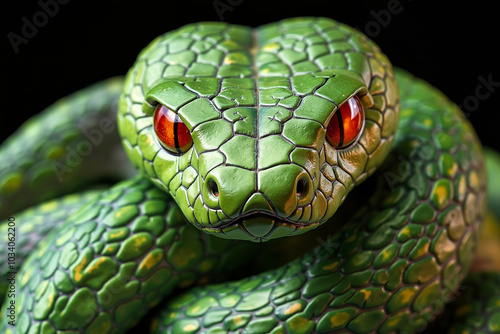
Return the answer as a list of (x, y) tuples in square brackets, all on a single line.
[(171, 130), (346, 124)]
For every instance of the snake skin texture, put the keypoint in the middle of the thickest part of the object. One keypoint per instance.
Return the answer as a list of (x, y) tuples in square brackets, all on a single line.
[(37, 222), (477, 309), (33, 170), (165, 248)]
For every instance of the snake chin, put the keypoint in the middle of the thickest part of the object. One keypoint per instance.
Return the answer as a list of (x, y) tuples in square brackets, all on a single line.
[(259, 227)]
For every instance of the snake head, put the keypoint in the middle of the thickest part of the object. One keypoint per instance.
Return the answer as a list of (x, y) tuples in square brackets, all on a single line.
[(259, 133)]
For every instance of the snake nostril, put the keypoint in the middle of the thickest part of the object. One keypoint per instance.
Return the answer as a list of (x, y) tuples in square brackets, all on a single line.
[(214, 189), (301, 187)]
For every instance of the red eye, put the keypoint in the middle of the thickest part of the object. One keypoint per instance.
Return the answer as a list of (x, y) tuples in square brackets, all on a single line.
[(171, 130), (346, 123)]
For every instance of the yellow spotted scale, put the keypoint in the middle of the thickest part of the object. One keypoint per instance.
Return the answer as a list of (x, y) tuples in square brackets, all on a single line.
[(244, 142)]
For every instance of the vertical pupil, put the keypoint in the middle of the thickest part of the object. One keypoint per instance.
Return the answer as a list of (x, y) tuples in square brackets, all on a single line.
[(171, 131), (346, 123), (340, 127), (176, 133)]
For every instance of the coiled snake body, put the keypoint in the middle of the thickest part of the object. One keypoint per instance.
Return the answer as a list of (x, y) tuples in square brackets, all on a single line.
[(248, 134)]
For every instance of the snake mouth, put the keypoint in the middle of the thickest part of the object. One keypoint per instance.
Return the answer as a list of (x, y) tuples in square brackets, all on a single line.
[(259, 226)]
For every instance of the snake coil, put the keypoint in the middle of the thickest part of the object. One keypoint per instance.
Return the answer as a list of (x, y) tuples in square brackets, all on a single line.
[(257, 135)]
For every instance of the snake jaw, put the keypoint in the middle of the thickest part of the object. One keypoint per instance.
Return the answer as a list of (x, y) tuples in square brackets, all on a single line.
[(258, 227)]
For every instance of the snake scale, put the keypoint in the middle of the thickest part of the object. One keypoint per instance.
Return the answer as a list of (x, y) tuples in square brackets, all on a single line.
[(246, 139)]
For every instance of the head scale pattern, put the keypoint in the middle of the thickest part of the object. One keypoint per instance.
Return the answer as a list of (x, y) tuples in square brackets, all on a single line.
[(257, 103)]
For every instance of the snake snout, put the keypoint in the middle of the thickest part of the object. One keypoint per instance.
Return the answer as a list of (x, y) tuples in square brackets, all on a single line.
[(286, 187), (238, 192), (227, 188)]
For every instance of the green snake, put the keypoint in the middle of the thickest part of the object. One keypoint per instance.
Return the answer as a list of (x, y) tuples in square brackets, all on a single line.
[(245, 139)]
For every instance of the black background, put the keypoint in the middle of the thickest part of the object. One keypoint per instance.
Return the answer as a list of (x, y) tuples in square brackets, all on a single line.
[(84, 42)]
